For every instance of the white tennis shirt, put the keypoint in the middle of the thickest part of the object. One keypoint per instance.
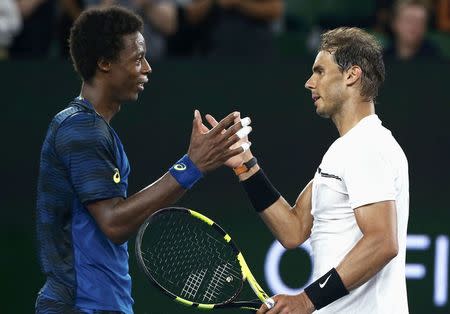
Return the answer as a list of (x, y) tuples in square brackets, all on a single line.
[(364, 166)]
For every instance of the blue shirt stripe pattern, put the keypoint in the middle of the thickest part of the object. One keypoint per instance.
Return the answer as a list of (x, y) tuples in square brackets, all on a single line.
[(82, 160)]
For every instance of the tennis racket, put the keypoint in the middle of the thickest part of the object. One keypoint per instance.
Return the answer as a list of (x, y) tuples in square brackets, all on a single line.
[(192, 259)]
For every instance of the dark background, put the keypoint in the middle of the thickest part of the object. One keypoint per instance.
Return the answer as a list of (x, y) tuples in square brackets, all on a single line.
[(289, 140)]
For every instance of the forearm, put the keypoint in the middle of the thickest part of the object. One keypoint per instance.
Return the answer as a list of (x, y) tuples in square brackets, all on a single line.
[(290, 225), (368, 257), (268, 10), (284, 224), (126, 216)]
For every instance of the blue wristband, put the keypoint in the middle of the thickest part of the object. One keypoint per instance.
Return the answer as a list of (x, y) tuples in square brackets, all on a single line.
[(185, 172)]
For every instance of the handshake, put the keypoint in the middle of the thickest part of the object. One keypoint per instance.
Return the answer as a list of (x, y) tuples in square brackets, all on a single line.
[(222, 143), (225, 142)]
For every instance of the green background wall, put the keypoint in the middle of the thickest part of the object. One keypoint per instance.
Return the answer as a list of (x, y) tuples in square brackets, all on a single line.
[(288, 139)]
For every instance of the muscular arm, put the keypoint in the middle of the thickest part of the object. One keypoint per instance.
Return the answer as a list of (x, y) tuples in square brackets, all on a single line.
[(371, 253), (290, 225), (119, 218), (379, 244)]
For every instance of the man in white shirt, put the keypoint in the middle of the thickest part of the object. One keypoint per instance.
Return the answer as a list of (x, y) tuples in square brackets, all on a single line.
[(355, 210)]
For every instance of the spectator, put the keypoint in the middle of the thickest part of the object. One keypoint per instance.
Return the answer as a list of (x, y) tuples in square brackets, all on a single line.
[(159, 21), (38, 28), (10, 24), (231, 28), (409, 27)]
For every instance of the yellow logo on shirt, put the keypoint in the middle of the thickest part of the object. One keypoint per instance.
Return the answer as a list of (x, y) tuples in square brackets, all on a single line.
[(116, 176)]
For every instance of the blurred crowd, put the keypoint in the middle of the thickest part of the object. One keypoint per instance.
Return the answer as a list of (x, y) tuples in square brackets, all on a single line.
[(256, 29)]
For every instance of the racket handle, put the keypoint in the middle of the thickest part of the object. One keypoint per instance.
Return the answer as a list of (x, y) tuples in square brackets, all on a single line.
[(270, 303)]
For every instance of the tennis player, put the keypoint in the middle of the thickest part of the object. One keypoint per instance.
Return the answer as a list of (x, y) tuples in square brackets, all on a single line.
[(84, 217), (355, 210)]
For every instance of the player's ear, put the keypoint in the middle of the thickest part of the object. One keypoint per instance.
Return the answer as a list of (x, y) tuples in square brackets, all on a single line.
[(353, 74), (103, 65)]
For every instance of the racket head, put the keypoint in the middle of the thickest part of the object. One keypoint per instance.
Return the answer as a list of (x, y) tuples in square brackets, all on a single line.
[(191, 258)]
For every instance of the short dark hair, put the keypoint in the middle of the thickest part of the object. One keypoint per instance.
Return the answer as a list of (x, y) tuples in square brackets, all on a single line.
[(97, 33), (353, 46)]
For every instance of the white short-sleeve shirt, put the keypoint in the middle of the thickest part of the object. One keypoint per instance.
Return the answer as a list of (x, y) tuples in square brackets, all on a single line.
[(364, 166)]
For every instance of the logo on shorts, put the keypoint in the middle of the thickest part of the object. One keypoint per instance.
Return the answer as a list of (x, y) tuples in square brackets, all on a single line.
[(116, 176), (180, 167)]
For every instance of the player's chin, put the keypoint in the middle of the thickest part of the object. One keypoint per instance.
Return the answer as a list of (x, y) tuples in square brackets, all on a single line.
[(322, 113), (133, 96)]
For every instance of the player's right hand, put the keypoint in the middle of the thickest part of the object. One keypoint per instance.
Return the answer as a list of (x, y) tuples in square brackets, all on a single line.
[(211, 148), (237, 160)]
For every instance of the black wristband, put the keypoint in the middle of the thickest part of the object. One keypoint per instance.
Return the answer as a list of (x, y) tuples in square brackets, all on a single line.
[(260, 191), (326, 289)]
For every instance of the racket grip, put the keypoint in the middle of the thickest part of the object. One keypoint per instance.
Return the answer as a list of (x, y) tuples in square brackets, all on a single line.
[(270, 303)]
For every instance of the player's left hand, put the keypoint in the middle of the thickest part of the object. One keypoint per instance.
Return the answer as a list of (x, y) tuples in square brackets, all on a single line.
[(289, 304), (237, 160)]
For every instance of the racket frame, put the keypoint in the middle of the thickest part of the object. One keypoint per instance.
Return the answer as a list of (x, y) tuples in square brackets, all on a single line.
[(245, 270)]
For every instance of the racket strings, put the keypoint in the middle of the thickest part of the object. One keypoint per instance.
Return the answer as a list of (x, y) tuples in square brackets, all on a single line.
[(192, 284), (222, 275), (191, 259)]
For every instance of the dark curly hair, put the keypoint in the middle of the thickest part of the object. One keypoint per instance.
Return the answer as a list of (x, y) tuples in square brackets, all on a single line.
[(353, 46), (97, 33)]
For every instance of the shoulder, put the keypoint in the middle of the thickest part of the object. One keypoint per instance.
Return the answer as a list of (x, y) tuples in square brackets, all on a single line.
[(369, 142), (82, 122), (82, 129)]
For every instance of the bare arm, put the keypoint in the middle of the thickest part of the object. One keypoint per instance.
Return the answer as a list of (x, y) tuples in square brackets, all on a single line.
[(379, 244), (378, 223), (119, 218), (290, 225)]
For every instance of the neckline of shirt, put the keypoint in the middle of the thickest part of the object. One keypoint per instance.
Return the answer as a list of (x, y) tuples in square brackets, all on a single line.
[(370, 119)]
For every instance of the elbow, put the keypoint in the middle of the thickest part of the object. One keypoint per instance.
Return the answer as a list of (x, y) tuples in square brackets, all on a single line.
[(115, 235), (290, 243), (390, 249)]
